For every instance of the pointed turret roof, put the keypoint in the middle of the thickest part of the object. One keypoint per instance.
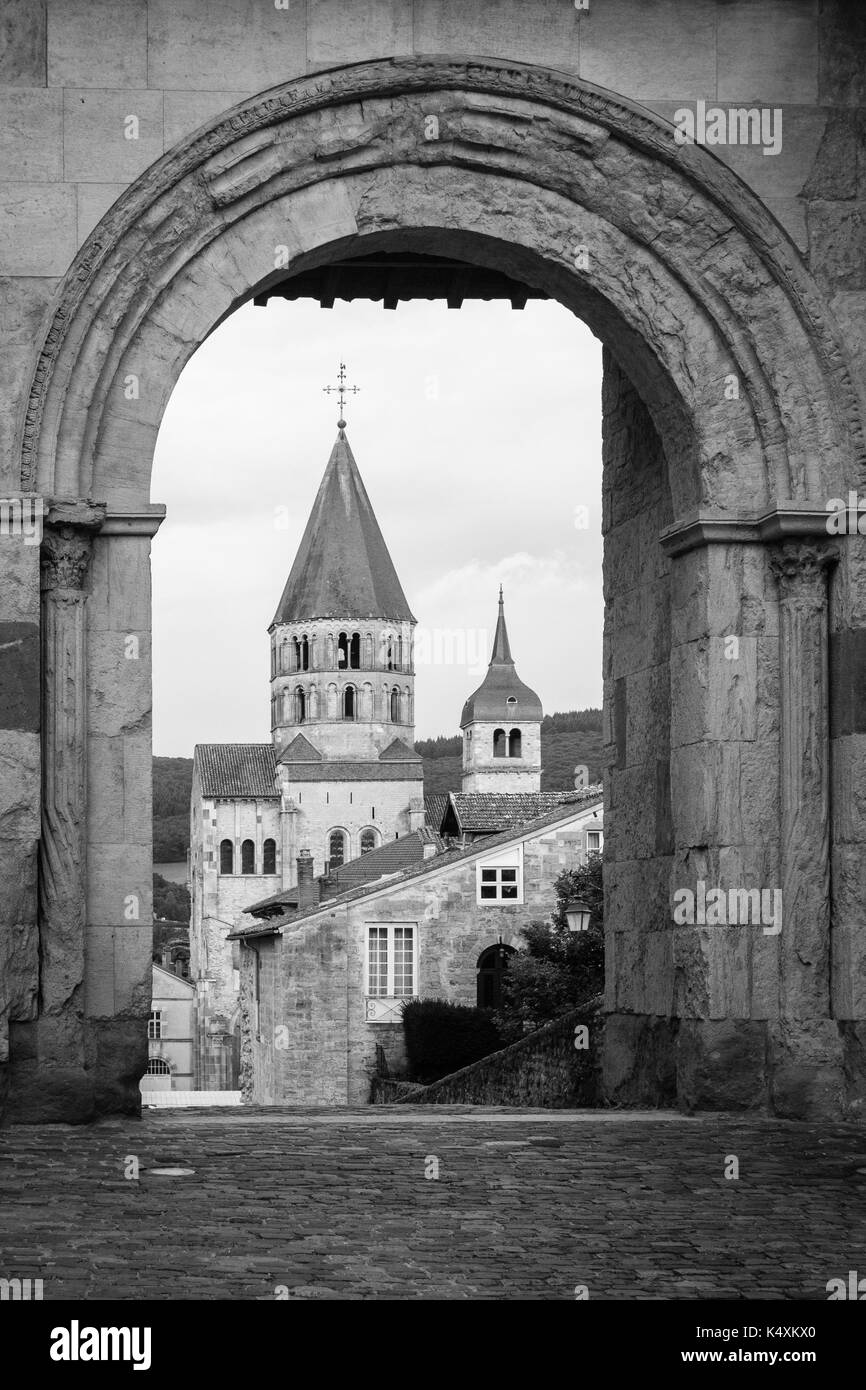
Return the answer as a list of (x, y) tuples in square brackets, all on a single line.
[(501, 684), (342, 568)]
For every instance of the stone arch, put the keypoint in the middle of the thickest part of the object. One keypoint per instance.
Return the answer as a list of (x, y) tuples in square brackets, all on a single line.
[(689, 281)]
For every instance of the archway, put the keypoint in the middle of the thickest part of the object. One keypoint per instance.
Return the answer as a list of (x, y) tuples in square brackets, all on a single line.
[(730, 418)]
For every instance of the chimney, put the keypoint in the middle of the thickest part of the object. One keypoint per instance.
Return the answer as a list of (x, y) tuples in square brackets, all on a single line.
[(308, 887), (416, 814)]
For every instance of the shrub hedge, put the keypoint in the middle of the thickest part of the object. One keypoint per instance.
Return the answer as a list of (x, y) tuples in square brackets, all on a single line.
[(442, 1037)]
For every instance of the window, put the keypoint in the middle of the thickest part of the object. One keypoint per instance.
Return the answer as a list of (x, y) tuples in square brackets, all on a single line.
[(499, 745), (336, 849), (300, 706), (368, 841), (342, 651), (492, 965), (269, 857), (305, 653), (349, 702), (395, 706), (498, 885), (227, 857), (355, 652), (157, 1067), (391, 962), (248, 857), (594, 841), (514, 742), (154, 1024)]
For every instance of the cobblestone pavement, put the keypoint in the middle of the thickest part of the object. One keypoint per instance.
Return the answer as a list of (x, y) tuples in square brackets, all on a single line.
[(527, 1204)]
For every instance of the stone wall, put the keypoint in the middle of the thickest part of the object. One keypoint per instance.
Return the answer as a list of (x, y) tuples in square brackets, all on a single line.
[(545, 1069)]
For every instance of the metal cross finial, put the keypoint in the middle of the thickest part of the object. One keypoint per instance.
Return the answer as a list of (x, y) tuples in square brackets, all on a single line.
[(342, 389)]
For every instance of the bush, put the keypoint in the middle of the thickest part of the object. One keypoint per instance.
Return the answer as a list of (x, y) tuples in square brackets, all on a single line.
[(170, 900), (443, 1037)]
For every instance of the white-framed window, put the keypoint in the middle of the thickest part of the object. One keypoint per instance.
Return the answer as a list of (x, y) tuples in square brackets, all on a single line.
[(157, 1067), (154, 1024), (391, 961), (594, 842), (499, 885), (500, 880)]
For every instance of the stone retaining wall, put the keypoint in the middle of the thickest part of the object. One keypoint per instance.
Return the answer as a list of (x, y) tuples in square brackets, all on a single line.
[(543, 1069)]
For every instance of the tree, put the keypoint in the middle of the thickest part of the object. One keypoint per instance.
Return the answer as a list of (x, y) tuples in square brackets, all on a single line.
[(170, 900), (558, 969)]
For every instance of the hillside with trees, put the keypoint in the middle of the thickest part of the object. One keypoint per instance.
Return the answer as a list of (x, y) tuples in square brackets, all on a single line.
[(567, 740)]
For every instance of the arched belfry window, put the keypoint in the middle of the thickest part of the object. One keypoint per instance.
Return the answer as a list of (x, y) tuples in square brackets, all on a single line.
[(336, 849), (269, 857), (248, 857), (305, 653), (395, 706), (300, 706), (342, 651), (329, 651), (492, 965), (368, 841), (227, 857), (500, 746), (349, 702), (355, 652), (368, 652), (514, 743), (296, 653), (398, 653)]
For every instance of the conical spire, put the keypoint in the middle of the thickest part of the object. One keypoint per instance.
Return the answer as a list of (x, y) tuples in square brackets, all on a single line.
[(501, 650), (342, 568), (501, 685)]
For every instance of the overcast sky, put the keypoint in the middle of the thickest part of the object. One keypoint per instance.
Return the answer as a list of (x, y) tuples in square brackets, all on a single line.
[(478, 435)]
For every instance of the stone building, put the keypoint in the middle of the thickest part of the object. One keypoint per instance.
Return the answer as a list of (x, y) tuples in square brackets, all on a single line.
[(322, 983), (170, 1033), (339, 777)]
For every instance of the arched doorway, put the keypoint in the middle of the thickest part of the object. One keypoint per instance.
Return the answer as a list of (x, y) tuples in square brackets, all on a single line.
[(714, 504), (491, 968)]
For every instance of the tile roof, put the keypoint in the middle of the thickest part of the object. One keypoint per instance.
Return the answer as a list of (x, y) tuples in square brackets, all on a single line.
[(388, 858), (479, 812), (236, 769), (447, 857), (435, 806), (501, 684), (399, 752), (355, 772), (300, 750), (342, 568)]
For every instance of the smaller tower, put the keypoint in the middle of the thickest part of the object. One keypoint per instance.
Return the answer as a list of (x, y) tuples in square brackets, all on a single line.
[(501, 725)]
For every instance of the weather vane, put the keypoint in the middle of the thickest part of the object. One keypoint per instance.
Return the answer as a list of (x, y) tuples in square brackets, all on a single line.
[(342, 389)]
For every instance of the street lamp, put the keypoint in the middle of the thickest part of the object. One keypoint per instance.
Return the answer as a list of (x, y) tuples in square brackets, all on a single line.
[(577, 914)]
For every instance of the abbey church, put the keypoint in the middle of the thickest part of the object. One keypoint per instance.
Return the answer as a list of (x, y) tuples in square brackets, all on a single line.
[(335, 803)]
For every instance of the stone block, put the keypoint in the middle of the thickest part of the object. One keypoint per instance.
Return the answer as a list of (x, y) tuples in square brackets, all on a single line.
[(651, 51), (110, 136), (22, 44), (37, 229), (639, 1067), (722, 1065), (837, 241), (120, 885), (769, 52), (546, 32), (99, 972), (31, 135), (185, 112), (808, 1069), (119, 604), (97, 43), (367, 29), (119, 689), (92, 203), (19, 677), (226, 45), (23, 305), (781, 175)]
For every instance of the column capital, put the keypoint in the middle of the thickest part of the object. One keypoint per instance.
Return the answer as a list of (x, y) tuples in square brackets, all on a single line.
[(64, 558), (800, 566)]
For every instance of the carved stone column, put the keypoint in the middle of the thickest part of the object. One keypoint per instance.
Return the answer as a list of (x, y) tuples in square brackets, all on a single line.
[(66, 549), (801, 570)]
